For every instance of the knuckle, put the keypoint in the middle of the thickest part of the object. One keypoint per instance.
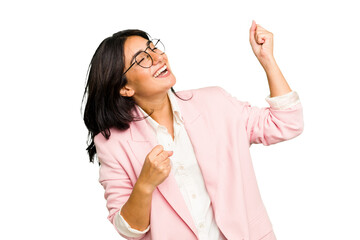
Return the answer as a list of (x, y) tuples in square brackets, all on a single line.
[(154, 164), (163, 155), (151, 158), (164, 169)]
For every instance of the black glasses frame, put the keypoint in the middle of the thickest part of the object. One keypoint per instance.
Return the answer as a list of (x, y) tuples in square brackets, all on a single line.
[(148, 46)]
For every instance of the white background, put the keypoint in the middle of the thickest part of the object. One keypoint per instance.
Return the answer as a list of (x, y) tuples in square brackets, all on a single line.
[(309, 185)]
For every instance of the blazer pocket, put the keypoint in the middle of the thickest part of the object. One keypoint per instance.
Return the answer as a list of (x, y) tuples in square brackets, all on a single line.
[(269, 236), (260, 227)]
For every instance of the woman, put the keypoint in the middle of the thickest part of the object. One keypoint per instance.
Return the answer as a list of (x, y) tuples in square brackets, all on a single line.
[(177, 165)]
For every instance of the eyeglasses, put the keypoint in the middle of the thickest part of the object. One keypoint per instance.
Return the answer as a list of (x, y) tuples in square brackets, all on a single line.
[(143, 59)]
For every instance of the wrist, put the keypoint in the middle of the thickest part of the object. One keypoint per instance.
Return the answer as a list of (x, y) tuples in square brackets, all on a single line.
[(269, 64), (144, 188)]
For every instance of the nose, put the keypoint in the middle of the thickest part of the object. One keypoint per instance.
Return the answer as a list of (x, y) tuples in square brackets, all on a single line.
[(156, 57)]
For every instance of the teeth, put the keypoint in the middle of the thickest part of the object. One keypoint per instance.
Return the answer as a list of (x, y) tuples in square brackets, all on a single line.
[(159, 71)]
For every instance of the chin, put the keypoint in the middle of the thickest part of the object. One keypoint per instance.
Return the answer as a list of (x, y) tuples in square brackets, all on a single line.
[(167, 82), (171, 80)]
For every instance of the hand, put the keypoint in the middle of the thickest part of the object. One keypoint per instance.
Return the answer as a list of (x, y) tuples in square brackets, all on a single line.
[(261, 42), (156, 168)]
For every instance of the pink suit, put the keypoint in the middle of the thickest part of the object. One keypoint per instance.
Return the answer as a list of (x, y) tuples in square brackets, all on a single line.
[(221, 129)]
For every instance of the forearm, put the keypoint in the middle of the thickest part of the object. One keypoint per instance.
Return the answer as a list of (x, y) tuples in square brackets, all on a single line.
[(136, 211), (277, 83)]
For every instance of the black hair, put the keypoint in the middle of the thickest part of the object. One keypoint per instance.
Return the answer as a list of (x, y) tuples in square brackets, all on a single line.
[(105, 106)]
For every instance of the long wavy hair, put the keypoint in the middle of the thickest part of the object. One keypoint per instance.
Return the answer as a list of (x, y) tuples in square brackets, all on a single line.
[(105, 106)]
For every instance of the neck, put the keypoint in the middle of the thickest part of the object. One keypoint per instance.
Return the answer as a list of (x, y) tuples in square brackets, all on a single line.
[(161, 107)]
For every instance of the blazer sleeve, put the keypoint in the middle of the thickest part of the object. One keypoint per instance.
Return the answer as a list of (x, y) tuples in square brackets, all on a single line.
[(282, 120), (124, 227), (115, 181)]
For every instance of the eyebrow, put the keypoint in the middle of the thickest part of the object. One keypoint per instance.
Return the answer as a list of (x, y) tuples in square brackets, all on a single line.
[(133, 57)]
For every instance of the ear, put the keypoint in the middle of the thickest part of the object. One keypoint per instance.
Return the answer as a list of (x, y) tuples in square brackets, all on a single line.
[(127, 91)]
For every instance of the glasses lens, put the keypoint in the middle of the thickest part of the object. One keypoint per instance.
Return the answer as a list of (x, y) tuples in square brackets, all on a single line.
[(144, 60), (157, 46)]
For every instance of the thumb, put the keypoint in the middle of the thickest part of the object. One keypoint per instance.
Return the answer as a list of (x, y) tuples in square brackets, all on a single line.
[(170, 153), (252, 32)]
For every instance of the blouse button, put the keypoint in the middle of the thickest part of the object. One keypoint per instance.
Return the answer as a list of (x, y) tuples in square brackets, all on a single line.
[(201, 225), (194, 196)]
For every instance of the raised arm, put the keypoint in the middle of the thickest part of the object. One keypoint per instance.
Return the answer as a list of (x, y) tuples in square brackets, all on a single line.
[(261, 42)]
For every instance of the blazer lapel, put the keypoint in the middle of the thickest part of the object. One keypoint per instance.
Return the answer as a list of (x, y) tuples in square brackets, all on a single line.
[(144, 140)]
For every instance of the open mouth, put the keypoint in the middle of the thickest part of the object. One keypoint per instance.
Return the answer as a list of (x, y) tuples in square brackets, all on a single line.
[(162, 72)]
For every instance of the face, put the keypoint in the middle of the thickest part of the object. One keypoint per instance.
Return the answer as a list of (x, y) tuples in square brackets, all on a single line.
[(141, 81)]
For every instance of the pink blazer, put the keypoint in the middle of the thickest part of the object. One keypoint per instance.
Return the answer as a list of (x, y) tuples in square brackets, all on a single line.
[(221, 129)]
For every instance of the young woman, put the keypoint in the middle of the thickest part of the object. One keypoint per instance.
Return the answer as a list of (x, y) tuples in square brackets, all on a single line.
[(177, 165)]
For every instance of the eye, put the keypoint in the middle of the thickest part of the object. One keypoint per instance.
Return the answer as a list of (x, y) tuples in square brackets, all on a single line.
[(141, 60), (154, 49)]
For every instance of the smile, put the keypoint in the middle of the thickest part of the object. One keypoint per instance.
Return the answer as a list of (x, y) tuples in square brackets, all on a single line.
[(162, 72)]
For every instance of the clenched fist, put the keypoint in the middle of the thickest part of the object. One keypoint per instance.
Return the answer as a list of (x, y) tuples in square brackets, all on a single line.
[(261, 41), (156, 168)]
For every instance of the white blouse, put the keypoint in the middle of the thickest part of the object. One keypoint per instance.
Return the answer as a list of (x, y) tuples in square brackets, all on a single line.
[(187, 172)]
